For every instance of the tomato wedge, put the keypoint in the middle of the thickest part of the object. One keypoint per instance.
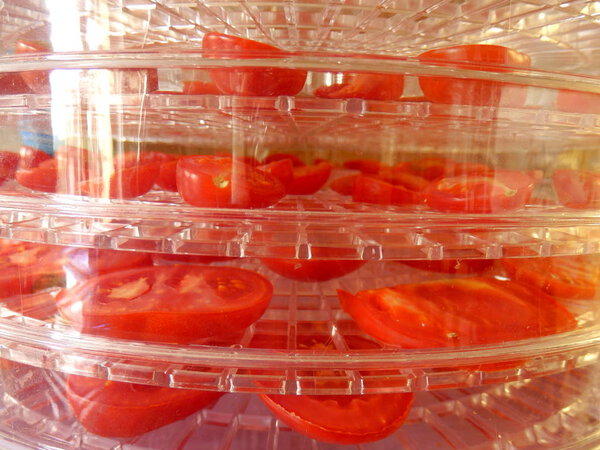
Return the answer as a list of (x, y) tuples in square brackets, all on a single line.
[(309, 179), (223, 182), (175, 303), (340, 419), (456, 312), (250, 81), (43, 177), (117, 409), (576, 277), (577, 188), (470, 91), (504, 190), (316, 269), (368, 86)]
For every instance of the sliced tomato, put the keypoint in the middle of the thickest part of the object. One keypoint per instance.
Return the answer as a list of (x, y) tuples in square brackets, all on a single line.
[(400, 177), (117, 409), (456, 312), (452, 265), (368, 86), (317, 269), (343, 185), (200, 87), (340, 419), (37, 80), (366, 166), (174, 303), (167, 176), (470, 91), (250, 81), (575, 276), (296, 161), (309, 179), (505, 190), (30, 157), (44, 177), (222, 182), (371, 189), (95, 261), (577, 188), (282, 169), (125, 183), (9, 162)]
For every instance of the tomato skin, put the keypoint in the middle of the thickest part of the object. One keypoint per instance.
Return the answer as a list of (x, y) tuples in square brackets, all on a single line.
[(505, 190), (296, 161), (576, 277), (95, 261), (578, 189), (261, 81), (365, 166), (30, 157), (493, 58), (167, 176), (367, 86), (222, 182), (342, 419), (456, 312), (174, 303), (451, 266), (370, 189), (282, 169), (117, 409), (125, 183), (43, 177), (309, 179)]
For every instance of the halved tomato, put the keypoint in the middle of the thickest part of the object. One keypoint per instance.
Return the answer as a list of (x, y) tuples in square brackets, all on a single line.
[(472, 91), (504, 190), (250, 81), (317, 269), (576, 276), (340, 419), (117, 409), (368, 86), (175, 303), (309, 179), (456, 312), (577, 188)]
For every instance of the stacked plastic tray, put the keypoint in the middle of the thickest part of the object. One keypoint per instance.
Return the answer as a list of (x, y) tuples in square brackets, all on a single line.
[(291, 225)]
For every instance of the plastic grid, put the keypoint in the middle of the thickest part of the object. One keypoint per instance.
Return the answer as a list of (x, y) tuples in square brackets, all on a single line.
[(556, 34), (557, 412), (35, 336)]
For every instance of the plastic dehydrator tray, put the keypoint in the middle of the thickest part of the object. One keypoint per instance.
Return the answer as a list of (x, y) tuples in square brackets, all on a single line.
[(554, 411)]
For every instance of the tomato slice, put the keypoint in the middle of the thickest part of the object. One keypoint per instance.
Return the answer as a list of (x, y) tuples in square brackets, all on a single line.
[(117, 409), (343, 185), (175, 303), (577, 188), (95, 261), (316, 269), (282, 169), (37, 80), (451, 266), (456, 312), (366, 166), (44, 177), (492, 58), (222, 182), (341, 419), (248, 81), (368, 86), (309, 179), (371, 189), (575, 276), (505, 190)]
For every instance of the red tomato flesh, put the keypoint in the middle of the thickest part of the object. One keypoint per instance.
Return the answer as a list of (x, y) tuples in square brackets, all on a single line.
[(43, 177), (456, 312), (249, 81), (309, 179), (116, 409), (94, 261), (282, 169), (175, 303), (575, 276), (343, 185), (505, 190), (577, 188), (222, 182), (368, 86), (371, 189)]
